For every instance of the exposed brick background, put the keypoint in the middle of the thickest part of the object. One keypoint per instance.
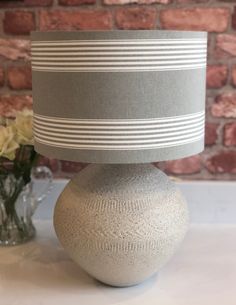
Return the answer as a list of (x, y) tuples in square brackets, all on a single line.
[(75, 20), (19, 77), (18, 22), (218, 17)]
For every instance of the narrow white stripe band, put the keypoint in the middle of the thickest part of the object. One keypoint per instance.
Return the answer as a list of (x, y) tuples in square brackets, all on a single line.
[(123, 69), (115, 63), (121, 147), (121, 121), (60, 130), (109, 142), (107, 63), (118, 53), (157, 47), (123, 41), (107, 127), (118, 134), (84, 127), (92, 58), (58, 134)]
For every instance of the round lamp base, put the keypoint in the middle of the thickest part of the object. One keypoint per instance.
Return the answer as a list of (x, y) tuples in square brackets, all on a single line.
[(121, 223)]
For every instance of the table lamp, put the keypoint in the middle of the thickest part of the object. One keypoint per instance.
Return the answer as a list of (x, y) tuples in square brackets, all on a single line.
[(119, 100)]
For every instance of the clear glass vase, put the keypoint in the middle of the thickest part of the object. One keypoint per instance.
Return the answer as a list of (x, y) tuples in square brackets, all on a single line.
[(18, 202)]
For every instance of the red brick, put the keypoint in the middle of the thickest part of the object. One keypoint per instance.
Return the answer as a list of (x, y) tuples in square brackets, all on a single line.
[(230, 134), (136, 18), (211, 133), (1, 77), (223, 162), (225, 105), (234, 19), (9, 104), (38, 2), (203, 19), (75, 20), (25, 3), (226, 43), (234, 76), (18, 22), (120, 2), (216, 76), (52, 164), (72, 167), (184, 166), (19, 77), (192, 1), (14, 49), (75, 2)]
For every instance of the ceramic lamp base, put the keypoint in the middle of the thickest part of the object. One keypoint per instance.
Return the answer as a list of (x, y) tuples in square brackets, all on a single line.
[(121, 223)]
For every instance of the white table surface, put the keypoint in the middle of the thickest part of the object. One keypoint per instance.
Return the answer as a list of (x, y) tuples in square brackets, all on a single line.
[(203, 272)]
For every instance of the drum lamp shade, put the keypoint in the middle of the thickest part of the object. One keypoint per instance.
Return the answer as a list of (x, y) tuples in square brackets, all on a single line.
[(119, 96)]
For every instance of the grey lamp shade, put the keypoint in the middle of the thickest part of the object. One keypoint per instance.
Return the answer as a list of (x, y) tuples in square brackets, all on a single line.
[(119, 96)]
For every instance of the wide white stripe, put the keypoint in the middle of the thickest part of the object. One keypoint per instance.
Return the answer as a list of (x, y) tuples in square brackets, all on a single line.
[(120, 42), (122, 136), (41, 128), (120, 147), (118, 69), (120, 121), (92, 58), (157, 47), (118, 52)]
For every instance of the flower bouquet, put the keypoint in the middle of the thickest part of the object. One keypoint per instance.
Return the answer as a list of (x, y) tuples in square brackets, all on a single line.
[(17, 162)]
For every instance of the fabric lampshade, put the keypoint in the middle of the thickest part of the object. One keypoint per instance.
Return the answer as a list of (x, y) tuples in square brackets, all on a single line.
[(119, 96)]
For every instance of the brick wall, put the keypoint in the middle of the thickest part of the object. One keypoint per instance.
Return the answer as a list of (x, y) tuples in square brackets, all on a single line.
[(18, 18)]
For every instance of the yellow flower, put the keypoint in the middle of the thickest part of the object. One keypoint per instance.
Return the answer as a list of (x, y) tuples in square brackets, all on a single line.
[(8, 144), (24, 127), (2, 120)]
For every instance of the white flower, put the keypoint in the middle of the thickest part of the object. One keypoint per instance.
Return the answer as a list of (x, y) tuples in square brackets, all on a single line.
[(24, 127), (8, 144)]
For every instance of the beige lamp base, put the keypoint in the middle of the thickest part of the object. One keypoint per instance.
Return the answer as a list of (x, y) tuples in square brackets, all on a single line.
[(121, 223)]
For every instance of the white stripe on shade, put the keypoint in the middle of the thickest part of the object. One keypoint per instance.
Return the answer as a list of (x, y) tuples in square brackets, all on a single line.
[(118, 52), (121, 136), (114, 127), (69, 130), (120, 147), (129, 63), (123, 41), (123, 69), (121, 121), (120, 141), (92, 58), (192, 55), (152, 47)]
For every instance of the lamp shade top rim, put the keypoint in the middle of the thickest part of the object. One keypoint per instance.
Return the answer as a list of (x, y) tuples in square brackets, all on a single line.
[(120, 33)]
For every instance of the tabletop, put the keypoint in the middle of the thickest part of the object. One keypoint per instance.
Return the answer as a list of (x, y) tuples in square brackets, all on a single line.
[(203, 271)]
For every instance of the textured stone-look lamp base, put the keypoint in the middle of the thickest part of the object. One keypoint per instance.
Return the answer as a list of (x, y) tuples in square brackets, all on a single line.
[(121, 223)]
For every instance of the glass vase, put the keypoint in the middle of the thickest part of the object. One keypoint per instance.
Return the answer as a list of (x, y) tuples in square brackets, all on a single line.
[(18, 203)]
